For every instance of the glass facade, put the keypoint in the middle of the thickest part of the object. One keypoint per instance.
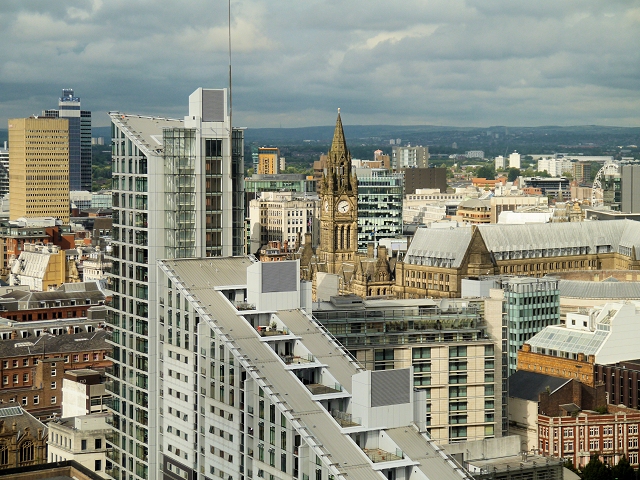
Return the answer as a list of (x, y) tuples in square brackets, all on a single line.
[(177, 190), (79, 139), (379, 205), (530, 305), (128, 379), (180, 187)]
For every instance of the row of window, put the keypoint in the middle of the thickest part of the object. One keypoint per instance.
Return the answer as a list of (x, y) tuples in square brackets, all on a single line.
[(594, 430), (36, 399), (25, 361)]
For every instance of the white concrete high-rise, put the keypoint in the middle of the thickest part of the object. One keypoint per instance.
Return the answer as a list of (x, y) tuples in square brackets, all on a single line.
[(409, 157), (514, 160), (253, 387), (177, 192)]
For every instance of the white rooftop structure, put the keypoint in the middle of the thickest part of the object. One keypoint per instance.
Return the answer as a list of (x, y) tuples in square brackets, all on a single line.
[(610, 332)]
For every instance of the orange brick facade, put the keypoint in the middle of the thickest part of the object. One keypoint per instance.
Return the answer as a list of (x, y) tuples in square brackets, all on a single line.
[(35, 381), (582, 369)]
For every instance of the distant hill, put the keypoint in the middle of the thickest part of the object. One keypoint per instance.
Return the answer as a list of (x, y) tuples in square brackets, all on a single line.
[(589, 139)]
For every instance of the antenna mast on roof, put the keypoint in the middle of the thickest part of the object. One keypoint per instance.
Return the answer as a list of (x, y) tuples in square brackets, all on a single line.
[(230, 95)]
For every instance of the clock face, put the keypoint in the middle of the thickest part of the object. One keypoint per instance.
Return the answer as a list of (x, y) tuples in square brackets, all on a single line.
[(343, 206)]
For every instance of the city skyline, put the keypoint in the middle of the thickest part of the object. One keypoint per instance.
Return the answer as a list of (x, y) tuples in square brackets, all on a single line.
[(458, 63)]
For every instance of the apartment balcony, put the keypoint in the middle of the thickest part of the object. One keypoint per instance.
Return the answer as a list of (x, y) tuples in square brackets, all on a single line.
[(271, 332), (319, 389), (377, 455), (345, 420), (297, 360)]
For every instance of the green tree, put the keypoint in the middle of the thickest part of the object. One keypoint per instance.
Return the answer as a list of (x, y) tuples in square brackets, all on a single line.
[(596, 470), (623, 470), (513, 174), (486, 172)]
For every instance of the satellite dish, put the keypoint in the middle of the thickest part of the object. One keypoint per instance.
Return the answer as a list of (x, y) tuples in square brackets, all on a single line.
[(444, 305)]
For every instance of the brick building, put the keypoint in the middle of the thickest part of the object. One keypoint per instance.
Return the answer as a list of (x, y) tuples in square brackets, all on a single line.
[(13, 240), (68, 301), (621, 382), (417, 178), (603, 335), (32, 371), (567, 419), (581, 368), (577, 437)]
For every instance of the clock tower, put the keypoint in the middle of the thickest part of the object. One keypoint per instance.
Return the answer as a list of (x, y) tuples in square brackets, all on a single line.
[(339, 206)]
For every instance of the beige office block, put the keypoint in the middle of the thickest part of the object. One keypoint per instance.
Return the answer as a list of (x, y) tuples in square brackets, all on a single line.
[(39, 168)]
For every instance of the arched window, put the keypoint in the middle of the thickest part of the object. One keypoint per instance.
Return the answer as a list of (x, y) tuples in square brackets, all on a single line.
[(4, 454), (26, 451)]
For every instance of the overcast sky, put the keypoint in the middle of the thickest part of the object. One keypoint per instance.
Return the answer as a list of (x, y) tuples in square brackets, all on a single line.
[(436, 62)]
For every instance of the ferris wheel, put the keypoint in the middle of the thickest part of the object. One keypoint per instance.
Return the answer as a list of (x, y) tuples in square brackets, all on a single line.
[(597, 194)]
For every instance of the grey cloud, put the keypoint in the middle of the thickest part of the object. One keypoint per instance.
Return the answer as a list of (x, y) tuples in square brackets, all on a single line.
[(473, 62)]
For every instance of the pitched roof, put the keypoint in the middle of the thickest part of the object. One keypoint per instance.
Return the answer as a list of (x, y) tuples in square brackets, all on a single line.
[(607, 289), (558, 236), (11, 413), (444, 247), (529, 385), (55, 344)]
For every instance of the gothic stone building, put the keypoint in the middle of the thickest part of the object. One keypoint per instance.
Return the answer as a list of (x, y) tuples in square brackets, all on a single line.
[(337, 252), (438, 259)]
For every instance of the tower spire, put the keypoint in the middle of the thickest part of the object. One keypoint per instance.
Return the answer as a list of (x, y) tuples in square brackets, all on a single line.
[(339, 144)]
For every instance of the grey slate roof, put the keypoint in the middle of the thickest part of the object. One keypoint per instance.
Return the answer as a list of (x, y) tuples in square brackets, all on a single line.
[(55, 344), (529, 385), (501, 238), (475, 203), (447, 247), (441, 246), (21, 299), (604, 290)]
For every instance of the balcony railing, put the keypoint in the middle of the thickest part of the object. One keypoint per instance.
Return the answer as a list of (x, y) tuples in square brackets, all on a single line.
[(345, 419), (318, 389), (378, 455)]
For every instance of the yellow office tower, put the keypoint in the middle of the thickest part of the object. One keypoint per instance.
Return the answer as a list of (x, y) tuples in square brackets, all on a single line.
[(39, 168), (268, 160)]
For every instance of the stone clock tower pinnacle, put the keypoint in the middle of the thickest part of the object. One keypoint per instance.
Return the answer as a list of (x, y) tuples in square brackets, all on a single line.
[(339, 205)]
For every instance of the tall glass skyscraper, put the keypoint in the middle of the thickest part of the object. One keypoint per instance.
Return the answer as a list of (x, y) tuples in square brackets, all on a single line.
[(79, 139), (178, 192)]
